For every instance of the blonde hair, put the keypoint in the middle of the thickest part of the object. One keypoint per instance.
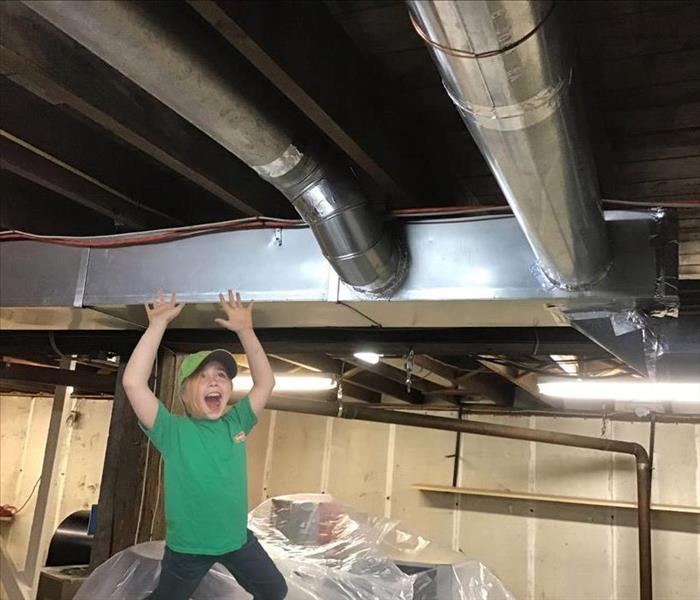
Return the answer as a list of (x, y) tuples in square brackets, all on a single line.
[(185, 398)]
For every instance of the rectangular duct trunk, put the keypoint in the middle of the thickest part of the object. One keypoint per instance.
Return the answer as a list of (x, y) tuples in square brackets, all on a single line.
[(465, 272)]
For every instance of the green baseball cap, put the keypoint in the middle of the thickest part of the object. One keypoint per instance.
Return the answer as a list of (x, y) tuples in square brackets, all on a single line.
[(196, 360)]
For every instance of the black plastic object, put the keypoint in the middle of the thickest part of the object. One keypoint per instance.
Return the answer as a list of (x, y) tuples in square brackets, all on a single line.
[(71, 544)]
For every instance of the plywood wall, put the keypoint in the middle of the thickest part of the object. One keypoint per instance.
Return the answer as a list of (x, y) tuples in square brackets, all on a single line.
[(24, 425), (540, 551)]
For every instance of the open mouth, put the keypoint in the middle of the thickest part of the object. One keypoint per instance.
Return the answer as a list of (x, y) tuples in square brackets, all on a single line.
[(213, 400)]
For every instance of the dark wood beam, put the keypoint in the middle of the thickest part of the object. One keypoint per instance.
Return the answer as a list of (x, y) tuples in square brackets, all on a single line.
[(352, 390), (378, 383), (525, 381), (436, 367), (505, 341), (103, 384), (324, 364), (62, 133), (13, 386), (44, 170), (313, 362), (305, 53), (394, 374), (29, 207), (39, 57)]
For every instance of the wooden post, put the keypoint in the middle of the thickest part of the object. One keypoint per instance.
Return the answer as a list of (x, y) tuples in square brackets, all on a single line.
[(152, 524), (131, 494), (122, 476)]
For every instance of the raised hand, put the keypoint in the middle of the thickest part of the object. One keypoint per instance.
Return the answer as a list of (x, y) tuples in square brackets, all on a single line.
[(161, 311), (238, 317)]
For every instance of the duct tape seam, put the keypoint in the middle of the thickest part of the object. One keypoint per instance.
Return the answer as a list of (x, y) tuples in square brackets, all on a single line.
[(284, 163)]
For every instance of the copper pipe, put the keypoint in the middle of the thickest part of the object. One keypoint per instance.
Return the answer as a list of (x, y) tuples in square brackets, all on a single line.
[(363, 413)]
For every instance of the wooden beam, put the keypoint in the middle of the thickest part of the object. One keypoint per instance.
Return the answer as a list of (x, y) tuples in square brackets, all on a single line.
[(529, 496), (27, 206), (313, 362), (436, 367), (42, 59), (394, 374), (12, 386), (45, 170), (525, 381), (324, 364), (290, 341), (44, 375), (58, 131), (378, 383), (305, 53), (351, 390)]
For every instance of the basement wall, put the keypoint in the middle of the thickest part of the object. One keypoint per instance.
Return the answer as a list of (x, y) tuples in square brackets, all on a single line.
[(539, 550), (24, 423)]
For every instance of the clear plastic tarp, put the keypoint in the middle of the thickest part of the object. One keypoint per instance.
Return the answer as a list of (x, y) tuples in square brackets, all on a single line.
[(326, 551)]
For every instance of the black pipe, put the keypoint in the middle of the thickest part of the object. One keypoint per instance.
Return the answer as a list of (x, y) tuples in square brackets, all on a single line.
[(363, 413)]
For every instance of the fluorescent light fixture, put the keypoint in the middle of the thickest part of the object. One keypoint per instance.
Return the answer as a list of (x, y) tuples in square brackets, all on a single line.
[(622, 390), (290, 383), (369, 357), (566, 362)]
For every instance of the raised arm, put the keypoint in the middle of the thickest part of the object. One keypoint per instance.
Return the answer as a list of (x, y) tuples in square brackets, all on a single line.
[(239, 319), (135, 380)]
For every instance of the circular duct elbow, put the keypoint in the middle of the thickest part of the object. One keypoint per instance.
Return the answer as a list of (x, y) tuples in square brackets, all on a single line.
[(154, 50), (352, 236)]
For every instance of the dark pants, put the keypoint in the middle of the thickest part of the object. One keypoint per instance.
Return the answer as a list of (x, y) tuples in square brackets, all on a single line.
[(253, 569)]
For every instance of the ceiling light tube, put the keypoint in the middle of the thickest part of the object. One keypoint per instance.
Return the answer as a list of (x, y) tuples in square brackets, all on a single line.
[(290, 383), (369, 357), (566, 362), (622, 390)]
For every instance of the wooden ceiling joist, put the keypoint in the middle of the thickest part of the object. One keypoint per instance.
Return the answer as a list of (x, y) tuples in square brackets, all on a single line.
[(31, 163), (38, 56), (303, 51)]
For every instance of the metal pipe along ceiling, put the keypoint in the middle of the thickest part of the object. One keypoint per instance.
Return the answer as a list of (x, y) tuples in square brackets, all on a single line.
[(252, 125), (508, 69)]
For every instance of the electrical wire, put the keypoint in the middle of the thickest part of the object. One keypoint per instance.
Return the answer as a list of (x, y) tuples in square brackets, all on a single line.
[(17, 511), (248, 223), (152, 237), (670, 204)]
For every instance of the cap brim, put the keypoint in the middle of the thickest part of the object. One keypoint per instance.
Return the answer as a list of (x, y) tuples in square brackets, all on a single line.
[(225, 358)]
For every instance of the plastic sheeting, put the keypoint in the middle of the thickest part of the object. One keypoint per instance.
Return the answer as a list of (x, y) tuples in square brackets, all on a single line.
[(326, 551)]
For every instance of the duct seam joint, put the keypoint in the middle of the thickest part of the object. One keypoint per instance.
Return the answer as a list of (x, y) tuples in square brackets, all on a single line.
[(284, 163)]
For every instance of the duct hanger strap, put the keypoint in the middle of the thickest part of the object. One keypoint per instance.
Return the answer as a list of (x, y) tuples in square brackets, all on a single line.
[(478, 55)]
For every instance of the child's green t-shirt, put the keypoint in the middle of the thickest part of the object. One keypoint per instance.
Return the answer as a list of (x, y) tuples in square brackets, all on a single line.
[(206, 490)]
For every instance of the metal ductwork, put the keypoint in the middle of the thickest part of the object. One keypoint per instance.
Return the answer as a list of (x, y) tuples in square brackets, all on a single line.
[(158, 55), (464, 273), (507, 67)]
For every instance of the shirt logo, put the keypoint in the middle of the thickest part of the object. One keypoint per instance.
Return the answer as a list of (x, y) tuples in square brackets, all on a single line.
[(239, 437)]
